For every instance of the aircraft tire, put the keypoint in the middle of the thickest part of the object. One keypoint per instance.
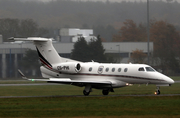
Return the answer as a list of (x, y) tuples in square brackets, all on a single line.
[(157, 92), (85, 93), (105, 92)]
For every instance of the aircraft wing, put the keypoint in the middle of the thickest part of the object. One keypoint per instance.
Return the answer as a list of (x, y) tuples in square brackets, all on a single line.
[(67, 81), (72, 82)]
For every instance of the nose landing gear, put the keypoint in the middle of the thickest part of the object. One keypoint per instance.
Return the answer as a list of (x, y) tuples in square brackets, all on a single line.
[(87, 90), (157, 92)]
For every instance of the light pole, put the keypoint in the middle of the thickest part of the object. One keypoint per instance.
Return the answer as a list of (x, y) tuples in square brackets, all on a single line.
[(148, 31), (21, 55), (119, 52)]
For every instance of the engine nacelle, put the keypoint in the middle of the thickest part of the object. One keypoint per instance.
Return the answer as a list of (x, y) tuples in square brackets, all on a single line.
[(68, 67), (119, 84)]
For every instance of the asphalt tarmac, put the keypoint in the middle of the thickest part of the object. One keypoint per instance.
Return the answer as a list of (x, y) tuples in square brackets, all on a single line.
[(88, 96)]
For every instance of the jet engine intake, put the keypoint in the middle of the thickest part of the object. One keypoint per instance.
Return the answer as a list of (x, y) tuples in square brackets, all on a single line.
[(68, 67)]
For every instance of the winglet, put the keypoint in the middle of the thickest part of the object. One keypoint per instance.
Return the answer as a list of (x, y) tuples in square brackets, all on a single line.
[(22, 75)]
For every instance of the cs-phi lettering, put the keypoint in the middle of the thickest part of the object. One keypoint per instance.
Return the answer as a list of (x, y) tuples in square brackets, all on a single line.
[(62, 67)]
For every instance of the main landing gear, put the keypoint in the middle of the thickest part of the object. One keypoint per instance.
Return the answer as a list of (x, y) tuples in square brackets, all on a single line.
[(157, 92), (105, 92), (88, 89), (86, 93)]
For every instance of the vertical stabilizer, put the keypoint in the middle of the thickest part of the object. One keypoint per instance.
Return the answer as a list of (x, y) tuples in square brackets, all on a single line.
[(46, 51)]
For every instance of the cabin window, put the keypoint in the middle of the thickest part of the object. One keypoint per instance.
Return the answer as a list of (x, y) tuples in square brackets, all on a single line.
[(141, 69), (119, 69), (107, 69), (113, 69), (149, 69), (125, 70), (90, 69)]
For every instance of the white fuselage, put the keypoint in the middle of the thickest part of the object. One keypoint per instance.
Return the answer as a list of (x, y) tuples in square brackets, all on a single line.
[(119, 74)]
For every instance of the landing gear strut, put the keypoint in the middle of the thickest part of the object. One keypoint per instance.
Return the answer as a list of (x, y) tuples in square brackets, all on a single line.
[(157, 92), (87, 90)]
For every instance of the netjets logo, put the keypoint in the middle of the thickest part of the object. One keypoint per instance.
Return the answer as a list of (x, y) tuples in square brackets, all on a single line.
[(100, 69)]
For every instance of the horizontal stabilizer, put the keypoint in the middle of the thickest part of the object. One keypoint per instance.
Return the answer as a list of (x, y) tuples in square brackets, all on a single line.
[(29, 39)]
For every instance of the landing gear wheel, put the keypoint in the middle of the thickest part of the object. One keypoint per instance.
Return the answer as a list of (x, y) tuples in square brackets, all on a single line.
[(85, 93), (105, 92), (157, 92)]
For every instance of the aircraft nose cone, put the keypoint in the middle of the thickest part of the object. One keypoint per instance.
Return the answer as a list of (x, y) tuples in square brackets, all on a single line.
[(169, 80), (166, 79)]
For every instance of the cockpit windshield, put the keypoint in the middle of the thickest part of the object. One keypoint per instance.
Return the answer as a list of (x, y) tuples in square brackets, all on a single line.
[(150, 69), (141, 69)]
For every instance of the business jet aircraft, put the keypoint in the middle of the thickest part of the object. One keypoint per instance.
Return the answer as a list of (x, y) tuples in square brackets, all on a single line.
[(105, 76)]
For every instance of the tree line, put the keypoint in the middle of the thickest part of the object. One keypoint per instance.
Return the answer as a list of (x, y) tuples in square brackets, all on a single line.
[(28, 27), (87, 52), (21, 28)]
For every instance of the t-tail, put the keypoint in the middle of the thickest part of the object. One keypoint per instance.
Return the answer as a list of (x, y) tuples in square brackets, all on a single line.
[(52, 62), (46, 51)]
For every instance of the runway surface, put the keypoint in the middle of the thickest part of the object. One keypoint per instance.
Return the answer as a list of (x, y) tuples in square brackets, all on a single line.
[(177, 81), (89, 96)]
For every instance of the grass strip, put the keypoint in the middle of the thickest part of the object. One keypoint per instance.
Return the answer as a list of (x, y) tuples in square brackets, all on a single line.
[(90, 106)]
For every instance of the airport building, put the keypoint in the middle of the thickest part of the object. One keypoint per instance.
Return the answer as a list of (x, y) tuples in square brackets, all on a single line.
[(12, 52)]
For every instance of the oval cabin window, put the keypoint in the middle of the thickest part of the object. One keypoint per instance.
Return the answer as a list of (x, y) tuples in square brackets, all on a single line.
[(107, 69), (119, 69), (113, 69), (125, 70)]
